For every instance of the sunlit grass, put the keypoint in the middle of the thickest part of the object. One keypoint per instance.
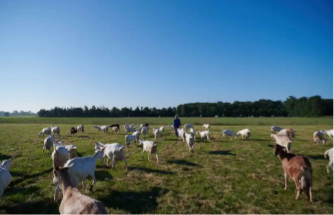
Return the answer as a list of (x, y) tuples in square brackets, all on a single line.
[(223, 176)]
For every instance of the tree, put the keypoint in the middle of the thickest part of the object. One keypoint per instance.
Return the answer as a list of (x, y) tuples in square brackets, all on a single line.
[(6, 114)]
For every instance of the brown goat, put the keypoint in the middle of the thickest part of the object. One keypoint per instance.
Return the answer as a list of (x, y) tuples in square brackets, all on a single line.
[(73, 201), (298, 168)]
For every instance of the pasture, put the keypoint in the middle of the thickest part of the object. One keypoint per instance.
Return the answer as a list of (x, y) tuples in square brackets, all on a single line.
[(223, 176)]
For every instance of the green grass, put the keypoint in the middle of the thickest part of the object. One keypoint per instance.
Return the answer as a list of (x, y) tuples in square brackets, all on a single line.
[(222, 176), (167, 120)]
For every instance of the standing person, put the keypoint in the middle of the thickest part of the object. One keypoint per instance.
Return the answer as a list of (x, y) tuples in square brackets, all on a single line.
[(177, 124)]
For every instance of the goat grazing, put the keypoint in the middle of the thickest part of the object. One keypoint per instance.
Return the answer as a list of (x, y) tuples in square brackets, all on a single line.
[(46, 131), (206, 126), (170, 127), (149, 147), (5, 176), (318, 135), (80, 128), (48, 143), (244, 133), (329, 133), (114, 125), (188, 126), (73, 131), (298, 168), (73, 201), (55, 130), (129, 129), (113, 151), (103, 128), (229, 133), (204, 134)]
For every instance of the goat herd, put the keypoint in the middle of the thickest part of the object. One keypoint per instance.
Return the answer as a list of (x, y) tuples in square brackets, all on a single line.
[(69, 170)]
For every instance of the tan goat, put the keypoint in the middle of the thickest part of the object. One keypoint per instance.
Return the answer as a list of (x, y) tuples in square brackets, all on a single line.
[(298, 168)]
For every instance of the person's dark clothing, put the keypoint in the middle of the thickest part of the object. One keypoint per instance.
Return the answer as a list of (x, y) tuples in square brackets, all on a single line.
[(177, 124)]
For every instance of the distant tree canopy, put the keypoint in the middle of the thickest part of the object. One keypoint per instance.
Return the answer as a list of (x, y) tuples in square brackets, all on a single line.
[(16, 113), (303, 107)]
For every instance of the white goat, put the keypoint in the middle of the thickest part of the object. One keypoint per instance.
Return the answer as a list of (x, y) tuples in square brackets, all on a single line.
[(129, 129), (5, 176), (318, 135), (59, 156), (282, 141), (48, 143), (181, 132), (103, 128), (149, 147), (115, 129), (144, 131), (188, 126), (329, 133), (170, 127), (206, 126), (329, 153), (46, 131), (129, 139), (156, 133), (113, 151), (80, 128), (161, 129), (55, 130), (275, 129), (72, 151), (136, 133), (80, 169), (244, 133), (287, 132), (229, 133), (190, 141), (204, 134)]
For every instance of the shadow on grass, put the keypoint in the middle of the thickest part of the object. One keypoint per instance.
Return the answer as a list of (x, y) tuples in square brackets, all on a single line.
[(182, 162), (316, 157), (4, 157), (39, 207), (84, 136), (25, 177), (134, 202), (222, 152), (271, 146), (143, 169), (102, 175)]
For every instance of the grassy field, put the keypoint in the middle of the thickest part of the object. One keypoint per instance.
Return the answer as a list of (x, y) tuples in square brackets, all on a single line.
[(223, 176), (165, 121)]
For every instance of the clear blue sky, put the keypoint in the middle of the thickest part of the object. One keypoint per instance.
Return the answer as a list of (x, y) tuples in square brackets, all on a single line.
[(161, 53)]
